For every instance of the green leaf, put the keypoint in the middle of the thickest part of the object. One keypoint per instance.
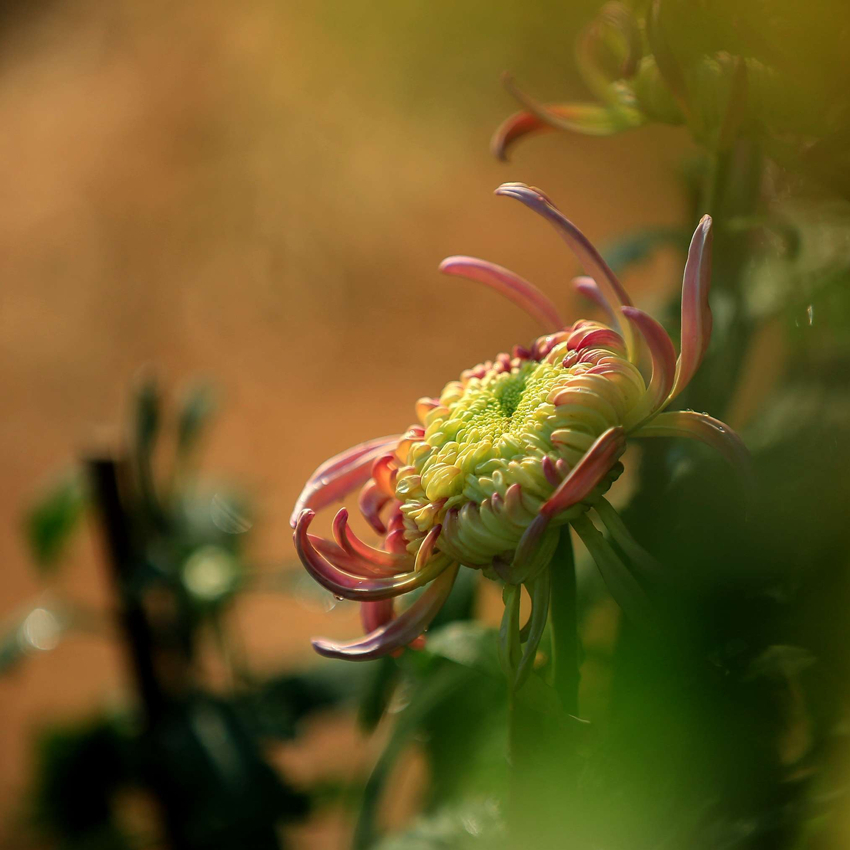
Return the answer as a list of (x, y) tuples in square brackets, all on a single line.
[(468, 644), (147, 416), (440, 685), (277, 706), (79, 768), (475, 646), (197, 409), (50, 522)]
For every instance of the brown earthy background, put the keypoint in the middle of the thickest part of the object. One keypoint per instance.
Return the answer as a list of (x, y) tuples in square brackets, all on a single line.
[(261, 193)]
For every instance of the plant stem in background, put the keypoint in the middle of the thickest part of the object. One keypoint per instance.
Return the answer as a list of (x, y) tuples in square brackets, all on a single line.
[(106, 477)]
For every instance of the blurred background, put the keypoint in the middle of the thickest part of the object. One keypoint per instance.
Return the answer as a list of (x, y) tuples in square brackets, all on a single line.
[(260, 193)]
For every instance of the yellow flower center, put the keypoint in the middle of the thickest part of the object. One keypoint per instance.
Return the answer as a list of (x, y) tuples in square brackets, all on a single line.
[(493, 429)]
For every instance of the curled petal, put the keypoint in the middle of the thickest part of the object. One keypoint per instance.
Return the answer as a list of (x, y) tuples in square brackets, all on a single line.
[(371, 502), (350, 586), (621, 584), (595, 338), (551, 471), (426, 548), (587, 473), (587, 287), (396, 521), (337, 477), (591, 119), (352, 544), (384, 471), (662, 353), (424, 406), (354, 564), (396, 542), (696, 313), (396, 633), (578, 243), (539, 589), (514, 507), (373, 615), (515, 127), (512, 286), (702, 427), (533, 554)]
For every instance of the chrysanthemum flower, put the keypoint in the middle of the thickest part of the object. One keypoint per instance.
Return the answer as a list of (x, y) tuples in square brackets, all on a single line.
[(509, 454)]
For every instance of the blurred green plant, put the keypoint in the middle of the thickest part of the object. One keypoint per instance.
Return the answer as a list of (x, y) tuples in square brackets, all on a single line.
[(176, 548), (772, 72)]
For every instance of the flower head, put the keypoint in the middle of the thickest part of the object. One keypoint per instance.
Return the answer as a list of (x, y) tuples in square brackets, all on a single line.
[(510, 453)]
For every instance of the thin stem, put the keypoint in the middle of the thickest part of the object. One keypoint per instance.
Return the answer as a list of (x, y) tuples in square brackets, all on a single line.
[(564, 623), (541, 743)]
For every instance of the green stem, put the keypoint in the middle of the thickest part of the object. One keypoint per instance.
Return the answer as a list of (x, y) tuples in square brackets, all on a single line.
[(563, 619), (541, 743)]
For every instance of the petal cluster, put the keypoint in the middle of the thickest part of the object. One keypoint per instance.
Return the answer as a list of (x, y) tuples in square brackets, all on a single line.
[(508, 454)]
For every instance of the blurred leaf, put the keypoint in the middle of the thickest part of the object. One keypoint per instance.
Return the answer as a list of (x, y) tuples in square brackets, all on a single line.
[(474, 823), (762, 586), (459, 608), (79, 768), (206, 762), (147, 414), (275, 707), (475, 646), (52, 520), (469, 644), (197, 409), (424, 695), (639, 246)]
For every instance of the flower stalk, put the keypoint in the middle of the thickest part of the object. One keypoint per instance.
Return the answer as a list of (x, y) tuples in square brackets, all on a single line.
[(563, 619)]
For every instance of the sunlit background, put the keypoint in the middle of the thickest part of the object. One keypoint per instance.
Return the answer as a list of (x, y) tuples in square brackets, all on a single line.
[(260, 194)]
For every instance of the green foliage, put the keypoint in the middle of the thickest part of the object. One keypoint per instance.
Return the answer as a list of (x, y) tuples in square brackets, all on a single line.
[(79, 769), (197, 409), (51, 521), (275, 707), (455, 709), (148, 415)]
